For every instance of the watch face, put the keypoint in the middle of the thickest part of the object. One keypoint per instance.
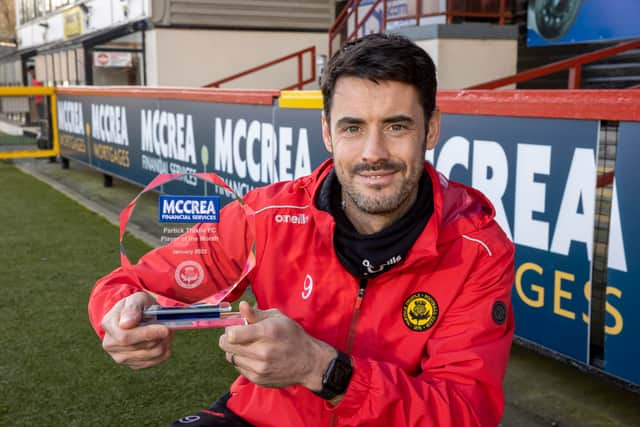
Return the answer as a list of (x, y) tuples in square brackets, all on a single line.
[(339, 375)]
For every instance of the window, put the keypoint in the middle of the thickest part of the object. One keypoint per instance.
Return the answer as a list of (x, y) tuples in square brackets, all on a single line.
[(80, 66), (58, 68), (28, 10), (41, 68), (59, 3), (71, 64), (45, 6), (50, 74), (32, 9)]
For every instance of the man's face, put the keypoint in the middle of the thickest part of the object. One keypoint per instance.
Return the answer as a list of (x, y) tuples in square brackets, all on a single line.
[(378, 137)]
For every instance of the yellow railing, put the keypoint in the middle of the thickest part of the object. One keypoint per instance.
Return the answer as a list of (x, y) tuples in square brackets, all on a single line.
[(307, 99), (6, 91)]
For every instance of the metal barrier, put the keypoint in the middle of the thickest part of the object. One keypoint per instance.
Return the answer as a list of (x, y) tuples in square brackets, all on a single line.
[(16, 145), (559, 167)]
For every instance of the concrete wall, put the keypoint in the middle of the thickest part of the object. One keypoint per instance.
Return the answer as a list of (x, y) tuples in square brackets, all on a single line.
[(234, 14), (462, 62), (181, 57), (468, 54)]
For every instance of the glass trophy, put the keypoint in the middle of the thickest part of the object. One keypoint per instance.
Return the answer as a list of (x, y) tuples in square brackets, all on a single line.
[(195, 261)]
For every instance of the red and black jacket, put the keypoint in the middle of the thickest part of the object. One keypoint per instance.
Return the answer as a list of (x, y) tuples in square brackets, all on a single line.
[(429, 338)]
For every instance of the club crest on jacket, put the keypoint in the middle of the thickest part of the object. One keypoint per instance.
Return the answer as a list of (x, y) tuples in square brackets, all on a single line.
[(420, 311)]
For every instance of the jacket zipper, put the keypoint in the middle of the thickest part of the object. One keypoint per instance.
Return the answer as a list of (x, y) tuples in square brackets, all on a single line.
[(351, 334), (355, 317)]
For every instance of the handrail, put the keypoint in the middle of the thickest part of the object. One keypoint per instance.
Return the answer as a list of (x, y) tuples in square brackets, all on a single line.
[(361, 24), (351, 8), (574, 65), (298, 54), (342, 14)]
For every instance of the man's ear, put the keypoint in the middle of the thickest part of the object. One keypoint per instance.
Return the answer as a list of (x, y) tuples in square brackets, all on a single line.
[(433, 129), (326, 133)]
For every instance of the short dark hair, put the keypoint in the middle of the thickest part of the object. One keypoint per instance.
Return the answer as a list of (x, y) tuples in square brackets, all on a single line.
[(383, 57)]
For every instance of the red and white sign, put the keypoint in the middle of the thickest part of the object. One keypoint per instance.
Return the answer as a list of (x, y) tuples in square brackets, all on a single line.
[(112, 59)]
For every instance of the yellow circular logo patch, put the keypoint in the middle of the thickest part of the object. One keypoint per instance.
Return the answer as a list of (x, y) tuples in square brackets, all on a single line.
[(420, 311)]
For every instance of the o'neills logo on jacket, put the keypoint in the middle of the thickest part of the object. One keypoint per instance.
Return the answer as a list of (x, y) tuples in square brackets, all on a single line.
[(292, 219)]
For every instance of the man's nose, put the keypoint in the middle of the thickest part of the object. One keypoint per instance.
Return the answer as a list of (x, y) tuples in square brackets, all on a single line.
[(375, 147)]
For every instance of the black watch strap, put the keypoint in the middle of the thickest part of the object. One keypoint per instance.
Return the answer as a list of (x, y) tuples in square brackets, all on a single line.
[(337, 377)]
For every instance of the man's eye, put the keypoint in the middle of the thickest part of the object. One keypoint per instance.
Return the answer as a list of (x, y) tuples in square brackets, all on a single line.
[(352, 129), (397, 127)]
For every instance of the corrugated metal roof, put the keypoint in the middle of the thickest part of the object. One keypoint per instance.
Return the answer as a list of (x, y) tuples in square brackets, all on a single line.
[(264, 14)]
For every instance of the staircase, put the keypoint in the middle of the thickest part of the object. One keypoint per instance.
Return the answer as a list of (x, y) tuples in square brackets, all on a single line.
[(357, 17), (618, 72), (615, 72)]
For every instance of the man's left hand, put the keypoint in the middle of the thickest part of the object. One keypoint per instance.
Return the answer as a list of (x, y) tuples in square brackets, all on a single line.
[(274, 351)]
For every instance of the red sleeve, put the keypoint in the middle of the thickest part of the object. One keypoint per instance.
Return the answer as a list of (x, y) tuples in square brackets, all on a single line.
[(218, 262), (463, 366)]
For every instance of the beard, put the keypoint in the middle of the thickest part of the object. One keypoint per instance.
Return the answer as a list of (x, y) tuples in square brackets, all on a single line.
[(378, 200)]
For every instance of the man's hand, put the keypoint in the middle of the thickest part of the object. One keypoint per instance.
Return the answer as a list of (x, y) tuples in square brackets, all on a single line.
[(132, 346), (274, 350)]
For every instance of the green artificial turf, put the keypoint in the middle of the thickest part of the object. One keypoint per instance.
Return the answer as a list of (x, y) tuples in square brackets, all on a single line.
[(6, 139), (53, 370)]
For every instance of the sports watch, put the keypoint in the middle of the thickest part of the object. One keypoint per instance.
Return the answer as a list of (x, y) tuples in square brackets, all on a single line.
[(336, 378)]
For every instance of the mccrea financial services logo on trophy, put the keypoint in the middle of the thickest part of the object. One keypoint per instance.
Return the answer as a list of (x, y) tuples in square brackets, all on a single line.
[(199, 264)]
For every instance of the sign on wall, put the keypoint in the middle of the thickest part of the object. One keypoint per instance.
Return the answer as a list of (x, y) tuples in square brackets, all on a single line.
[(552, 22), (137, 138), (540, 174), (73, 22), (112, 59), (400, 13)]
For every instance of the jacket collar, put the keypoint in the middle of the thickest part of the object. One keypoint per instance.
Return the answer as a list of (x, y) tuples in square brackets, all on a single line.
[(457, 209)]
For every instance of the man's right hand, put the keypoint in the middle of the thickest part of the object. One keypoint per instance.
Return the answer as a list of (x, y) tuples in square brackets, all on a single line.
[(130, 345)]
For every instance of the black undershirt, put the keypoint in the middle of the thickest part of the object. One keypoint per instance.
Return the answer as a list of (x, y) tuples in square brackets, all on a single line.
[(367, 255)]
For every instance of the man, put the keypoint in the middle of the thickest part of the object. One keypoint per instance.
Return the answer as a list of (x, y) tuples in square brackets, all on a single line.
[(38, 100), (389, 306)]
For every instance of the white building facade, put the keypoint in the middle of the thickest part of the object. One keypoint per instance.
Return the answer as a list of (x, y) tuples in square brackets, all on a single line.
[(165, 42)]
